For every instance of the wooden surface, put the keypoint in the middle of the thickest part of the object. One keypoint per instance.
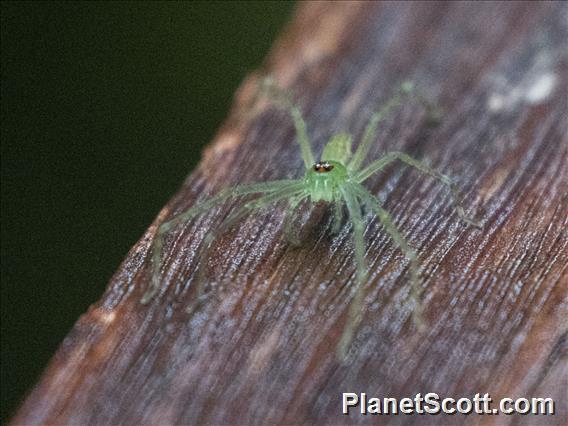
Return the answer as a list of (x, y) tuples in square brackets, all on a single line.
[(263, 353)]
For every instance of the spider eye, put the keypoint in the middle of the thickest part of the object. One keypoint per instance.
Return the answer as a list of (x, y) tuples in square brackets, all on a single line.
[(323, 167)]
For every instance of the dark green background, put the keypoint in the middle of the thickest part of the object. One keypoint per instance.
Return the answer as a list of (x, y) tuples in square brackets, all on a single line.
[(105, 109)]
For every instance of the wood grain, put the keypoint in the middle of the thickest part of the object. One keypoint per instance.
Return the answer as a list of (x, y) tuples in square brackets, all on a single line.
[(262, 351)]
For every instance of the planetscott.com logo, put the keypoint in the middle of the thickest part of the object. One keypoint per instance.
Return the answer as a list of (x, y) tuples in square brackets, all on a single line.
[(432, 403)]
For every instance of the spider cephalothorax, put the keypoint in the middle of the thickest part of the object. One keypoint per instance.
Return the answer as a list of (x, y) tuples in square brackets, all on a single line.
[(323, 181), (337, 180)]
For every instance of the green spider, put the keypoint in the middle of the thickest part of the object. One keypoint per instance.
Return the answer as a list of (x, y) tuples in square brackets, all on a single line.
[(337, 179)]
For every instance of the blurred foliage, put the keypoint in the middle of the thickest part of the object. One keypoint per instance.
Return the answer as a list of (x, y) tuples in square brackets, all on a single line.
[(105, 109)]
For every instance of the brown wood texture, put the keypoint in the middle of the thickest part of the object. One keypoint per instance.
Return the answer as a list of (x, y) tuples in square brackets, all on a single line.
[(262, 351)]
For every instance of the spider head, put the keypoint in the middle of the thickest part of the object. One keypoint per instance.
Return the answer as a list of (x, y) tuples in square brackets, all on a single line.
[(324, 178)]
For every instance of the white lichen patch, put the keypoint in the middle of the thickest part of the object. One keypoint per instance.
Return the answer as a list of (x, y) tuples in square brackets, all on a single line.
[(533, 88), (541, 88)]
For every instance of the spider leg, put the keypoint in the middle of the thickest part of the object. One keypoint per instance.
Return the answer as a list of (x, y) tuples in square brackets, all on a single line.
[(355, 312), (371, 129), (202, 207), (386, 221), (291, 233), (389, 157), (291, 191), (284, 100)]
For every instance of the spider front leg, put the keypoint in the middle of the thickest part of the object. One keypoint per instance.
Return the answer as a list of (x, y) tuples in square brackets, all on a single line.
[(291, 190), (164, 228), (385, 219), (355, 311), (389, 157), (352, 193)]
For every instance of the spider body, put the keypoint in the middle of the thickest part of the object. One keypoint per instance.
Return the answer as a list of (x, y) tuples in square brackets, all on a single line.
[(337, 179)]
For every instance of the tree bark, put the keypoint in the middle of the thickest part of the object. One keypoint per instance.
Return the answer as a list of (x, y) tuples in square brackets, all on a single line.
[(262, 351)]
